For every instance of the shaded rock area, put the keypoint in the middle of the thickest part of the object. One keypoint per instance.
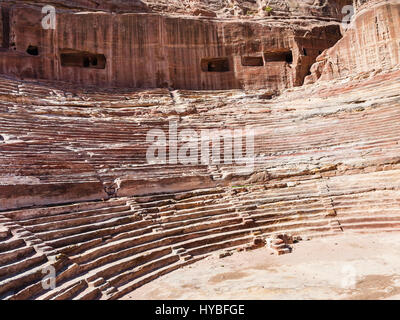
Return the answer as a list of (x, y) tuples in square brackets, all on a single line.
[(370, 45), (78, 192)]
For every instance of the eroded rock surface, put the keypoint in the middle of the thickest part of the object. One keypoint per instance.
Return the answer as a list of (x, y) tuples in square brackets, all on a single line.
[(77, 189), (156, 49), (371, 44)]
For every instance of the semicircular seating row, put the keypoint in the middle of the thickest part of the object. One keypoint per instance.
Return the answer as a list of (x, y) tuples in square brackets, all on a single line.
[(105, 249)]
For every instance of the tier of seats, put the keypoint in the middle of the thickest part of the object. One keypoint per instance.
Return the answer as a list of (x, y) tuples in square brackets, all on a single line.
[(320, 168), (109, 248), (84, 136)]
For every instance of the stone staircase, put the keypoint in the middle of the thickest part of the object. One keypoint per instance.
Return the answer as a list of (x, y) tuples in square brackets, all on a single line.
[(321, 168)]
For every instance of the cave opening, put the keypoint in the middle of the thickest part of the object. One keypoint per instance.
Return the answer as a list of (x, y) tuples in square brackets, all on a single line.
[(83, 60), (5, 18), (252, 61), (279, 56), (32, 50), (215, 65)]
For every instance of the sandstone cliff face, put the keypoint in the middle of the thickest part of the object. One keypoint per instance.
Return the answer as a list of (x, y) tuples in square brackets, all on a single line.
[(152, 50), (371, 44)]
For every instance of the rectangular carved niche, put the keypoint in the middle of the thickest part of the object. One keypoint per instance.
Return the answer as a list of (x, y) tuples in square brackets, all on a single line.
[(82, 59), (279, 56), (252, 61), (215, 65)]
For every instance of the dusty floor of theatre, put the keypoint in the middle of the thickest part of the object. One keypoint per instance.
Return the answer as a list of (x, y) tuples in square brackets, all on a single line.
[(348, 266)]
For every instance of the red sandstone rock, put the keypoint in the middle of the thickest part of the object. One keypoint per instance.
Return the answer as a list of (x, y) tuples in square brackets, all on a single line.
[(130, 186), (370, 44), (217, 54), (4, 232), (204, 13), (23, 195)]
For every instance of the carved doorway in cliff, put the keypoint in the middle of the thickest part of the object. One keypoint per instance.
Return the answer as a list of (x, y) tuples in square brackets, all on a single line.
[(215, 65), (72, 58), (284, 55), (252, 61)]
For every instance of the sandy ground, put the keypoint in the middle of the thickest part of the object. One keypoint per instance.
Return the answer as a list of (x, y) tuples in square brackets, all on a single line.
[(349, 266)]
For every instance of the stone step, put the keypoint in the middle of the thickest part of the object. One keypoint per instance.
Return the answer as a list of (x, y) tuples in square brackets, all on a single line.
[(208, 206), (89, 294), (116, 267), (72, 291), (142, 270), (66, 217), (54, 238), (11, 244), (47, 212), (204, 213), (13, 283), (359, 218), (156, 239), (116, 251), (75, 222), (31, 291), (294, 213), (223, 218), (96, 234), (240, 239), (14, 255), (295, 224), (116, 256), (138, 282), (370, 225), (9, 270)]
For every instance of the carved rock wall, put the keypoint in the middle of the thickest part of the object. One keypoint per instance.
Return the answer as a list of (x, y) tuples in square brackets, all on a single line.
[(153, 50)]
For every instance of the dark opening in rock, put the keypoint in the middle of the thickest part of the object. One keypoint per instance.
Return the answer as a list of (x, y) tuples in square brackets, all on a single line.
[(81, 59), (252, 61), (277, 56), (5, 18), (33, 50), (305, 51), (215, 65)]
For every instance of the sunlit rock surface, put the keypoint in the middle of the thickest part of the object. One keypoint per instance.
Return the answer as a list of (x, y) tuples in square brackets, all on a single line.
[(371, 44)]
